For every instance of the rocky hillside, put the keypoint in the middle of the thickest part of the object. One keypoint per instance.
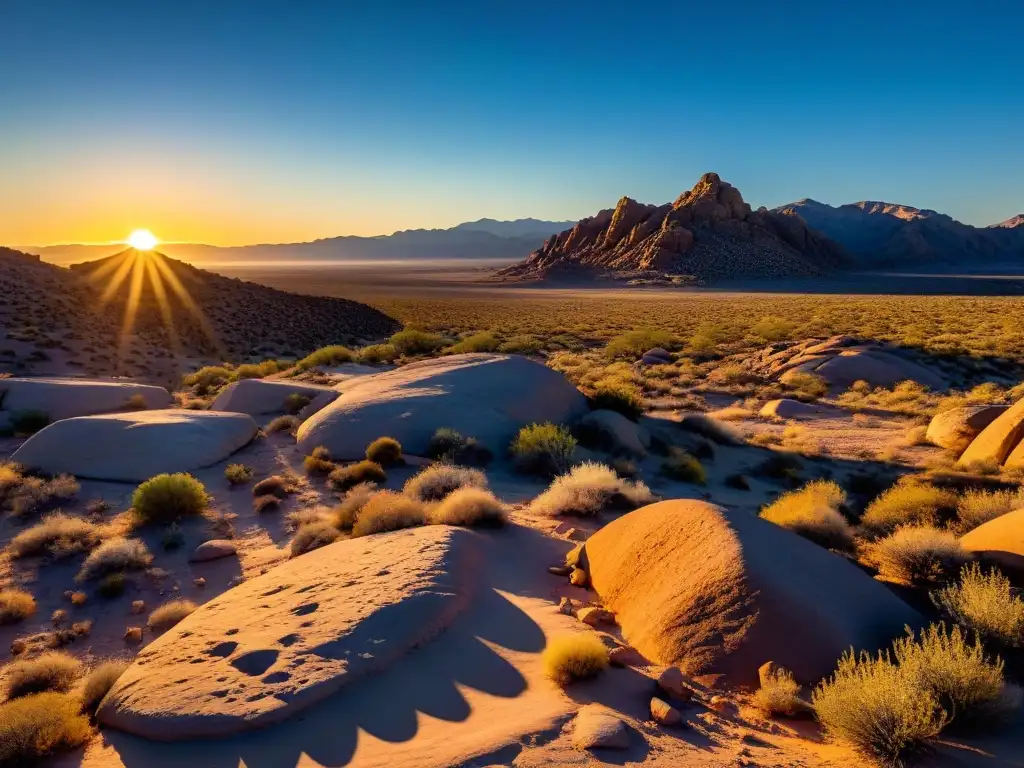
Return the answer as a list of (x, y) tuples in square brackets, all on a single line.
[(886, 234), (709, 232), (142, 314), (1011, 223)]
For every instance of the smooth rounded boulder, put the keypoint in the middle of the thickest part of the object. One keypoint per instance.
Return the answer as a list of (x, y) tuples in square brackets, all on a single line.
[(956, 428), (999, 542), (132, 447), (258, 397), (610, 430), (997, 441), (277, 643), (484, 396), (64, 398), (719, 593), (786, 408)]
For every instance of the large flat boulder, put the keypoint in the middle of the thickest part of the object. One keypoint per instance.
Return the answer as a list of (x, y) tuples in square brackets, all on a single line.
[(258, 397), (1000, 542), (65, 398), (956, 428), (998, 439), (786, 408), (489, 397), (720, 593), (132, 447), (277, 643), (878, 368)]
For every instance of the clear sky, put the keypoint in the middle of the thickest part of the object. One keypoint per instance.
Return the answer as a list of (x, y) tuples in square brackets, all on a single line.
[(230, 122)]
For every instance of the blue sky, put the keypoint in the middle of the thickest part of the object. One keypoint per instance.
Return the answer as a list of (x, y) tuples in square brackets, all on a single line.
[(236, 122)]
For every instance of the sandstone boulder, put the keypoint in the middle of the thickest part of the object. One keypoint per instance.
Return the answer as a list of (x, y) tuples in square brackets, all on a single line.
[(132, 447), (1000, 542), (257, 397), (279, 642), (791, 409), (485, 396), (65, 398), (611, 431), (998, 439), (877, 367), (720, 593), (956, 428), (596, 727), (213, 550)]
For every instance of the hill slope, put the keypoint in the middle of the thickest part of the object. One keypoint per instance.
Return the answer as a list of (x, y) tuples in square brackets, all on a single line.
[(708, 232)]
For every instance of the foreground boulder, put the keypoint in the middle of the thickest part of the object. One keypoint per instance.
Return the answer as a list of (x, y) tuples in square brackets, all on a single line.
[(258, 397), (720, 593), (997, 441), (488, 397), (956, 428), (999, 542), (277, 643), (65, 398), (132, 447), (611, 431)]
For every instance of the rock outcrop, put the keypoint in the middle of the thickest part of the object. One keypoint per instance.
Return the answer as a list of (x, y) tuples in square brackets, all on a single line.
[(999, 442), (64, 398), (999, 542), (956, 428), (258, 397), (708, 232)]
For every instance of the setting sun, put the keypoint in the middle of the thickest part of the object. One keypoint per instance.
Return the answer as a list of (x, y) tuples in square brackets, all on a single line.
[(142, 240)]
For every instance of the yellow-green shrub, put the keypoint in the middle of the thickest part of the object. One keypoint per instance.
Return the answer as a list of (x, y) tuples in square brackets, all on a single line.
[(813, 512), (37, 726), (168, 497), (986, 603), (575, 656), (908, 502)]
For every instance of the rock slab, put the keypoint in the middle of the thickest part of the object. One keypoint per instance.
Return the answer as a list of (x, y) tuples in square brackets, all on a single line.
[(956, 428), (64, 398), (258, 397), (1000, 542), (597, 728), (998, 439)]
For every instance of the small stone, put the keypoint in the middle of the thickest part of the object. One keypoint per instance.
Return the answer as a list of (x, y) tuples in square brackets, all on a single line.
[(624, 657), (578, 577), (212, 550), (673, 682), (577, 534), (18, 647), (719, 703), (200, 582), (664, 713), (597, 728), (138, 606), (133, 635), (566, 607), (559, 570), (593, 616), (58, 617)]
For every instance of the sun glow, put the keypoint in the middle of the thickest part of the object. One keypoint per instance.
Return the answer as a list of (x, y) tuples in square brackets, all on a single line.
[(142, 240)]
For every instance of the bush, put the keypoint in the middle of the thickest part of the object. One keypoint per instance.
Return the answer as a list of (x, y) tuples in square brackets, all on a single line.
[(772, 329), (572, 657), (978, 507), (295, 402), (334, 355), (115, 556), (414, 342), (378, 353), (98, 683), (257, 370), (313, 536), (388, 511), (266, 503), (521, 345), (28, 422), (283, 424), (33, 494), (169, 497), (38, 726), (275, 485), (318, 462), (59, 534), (916, 554), (779, 695), (209, 376), (347, 512), (711, 428), (112, 585), (52, 671), (343, 478), (587, 490), (384, 451), (807, 385), (449, 446), (680, 465), (813, 512), (984, 603), (471, 507), (15, 605), (438, 480), (238, 474), (485, 341), (635, 343), (620, 396), (543, 449), (169, 614), (908, 502)]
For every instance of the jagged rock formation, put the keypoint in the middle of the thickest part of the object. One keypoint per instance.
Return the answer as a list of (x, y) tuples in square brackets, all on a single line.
[(708, 232)]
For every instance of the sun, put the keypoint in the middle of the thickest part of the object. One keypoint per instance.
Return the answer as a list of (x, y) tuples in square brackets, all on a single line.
[(142, 240)]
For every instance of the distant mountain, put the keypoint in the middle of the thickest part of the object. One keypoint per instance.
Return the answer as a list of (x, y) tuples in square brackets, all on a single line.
[(483, 239), (709, 232), (1016, 221), (891, 235)]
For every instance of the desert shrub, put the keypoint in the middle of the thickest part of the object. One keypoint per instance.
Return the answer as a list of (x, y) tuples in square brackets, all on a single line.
[(388, 511), (115, 556), (917, 554), (449, 446), (908, 502), (355, 498), (52, 671), (333, 355), (275, 485), (268, 502), (59, 534), (521, 345), (680, 465), (635, 343), (295, 402), (313, 536), (33, 494), (543, 449), (98, 683), (257, 370), (343, 478), (620, 396), (575, 656), (586, 490), (986, 603), (38, 726), (170, 613), (283, 424), (10, 477), (813, 512), (438, 480), (15, 605), (208, 377), (28, 422), (169, 497), (773, 329), (306, 515), (807, 385), (485, 341), (469, 506), (413, 342), (377, 353), (779, 695), (112, 585), (385, 451), (711, 428), (318, 462), (238, 474), (977, 507)]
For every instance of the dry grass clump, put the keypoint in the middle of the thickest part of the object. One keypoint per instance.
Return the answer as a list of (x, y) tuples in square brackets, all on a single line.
[(313, 535), (268, 502), (33, 494), (684, 466), (318, 462), (587, 489), (977, 507), (35, 727), (333, 355), (98, 683), (807, 386), (634, 343), (377, 353), (779, 695), (450, 447), (52, 671), (469, 506), (343, 478), (438, 480), (384, 451), (115, 555), (169, 614), (166, 497), (283, 424), (985, 603), (278, 486), (59, 534), (711, 428), (295, 402), (485, 341), (238, 474), (813, 512), (389, 511), (575, 656), (543, 449), (917, 554), (908, 502), (908, 398), (15, 605), (415, 342), (355, 498), (621, 396)]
